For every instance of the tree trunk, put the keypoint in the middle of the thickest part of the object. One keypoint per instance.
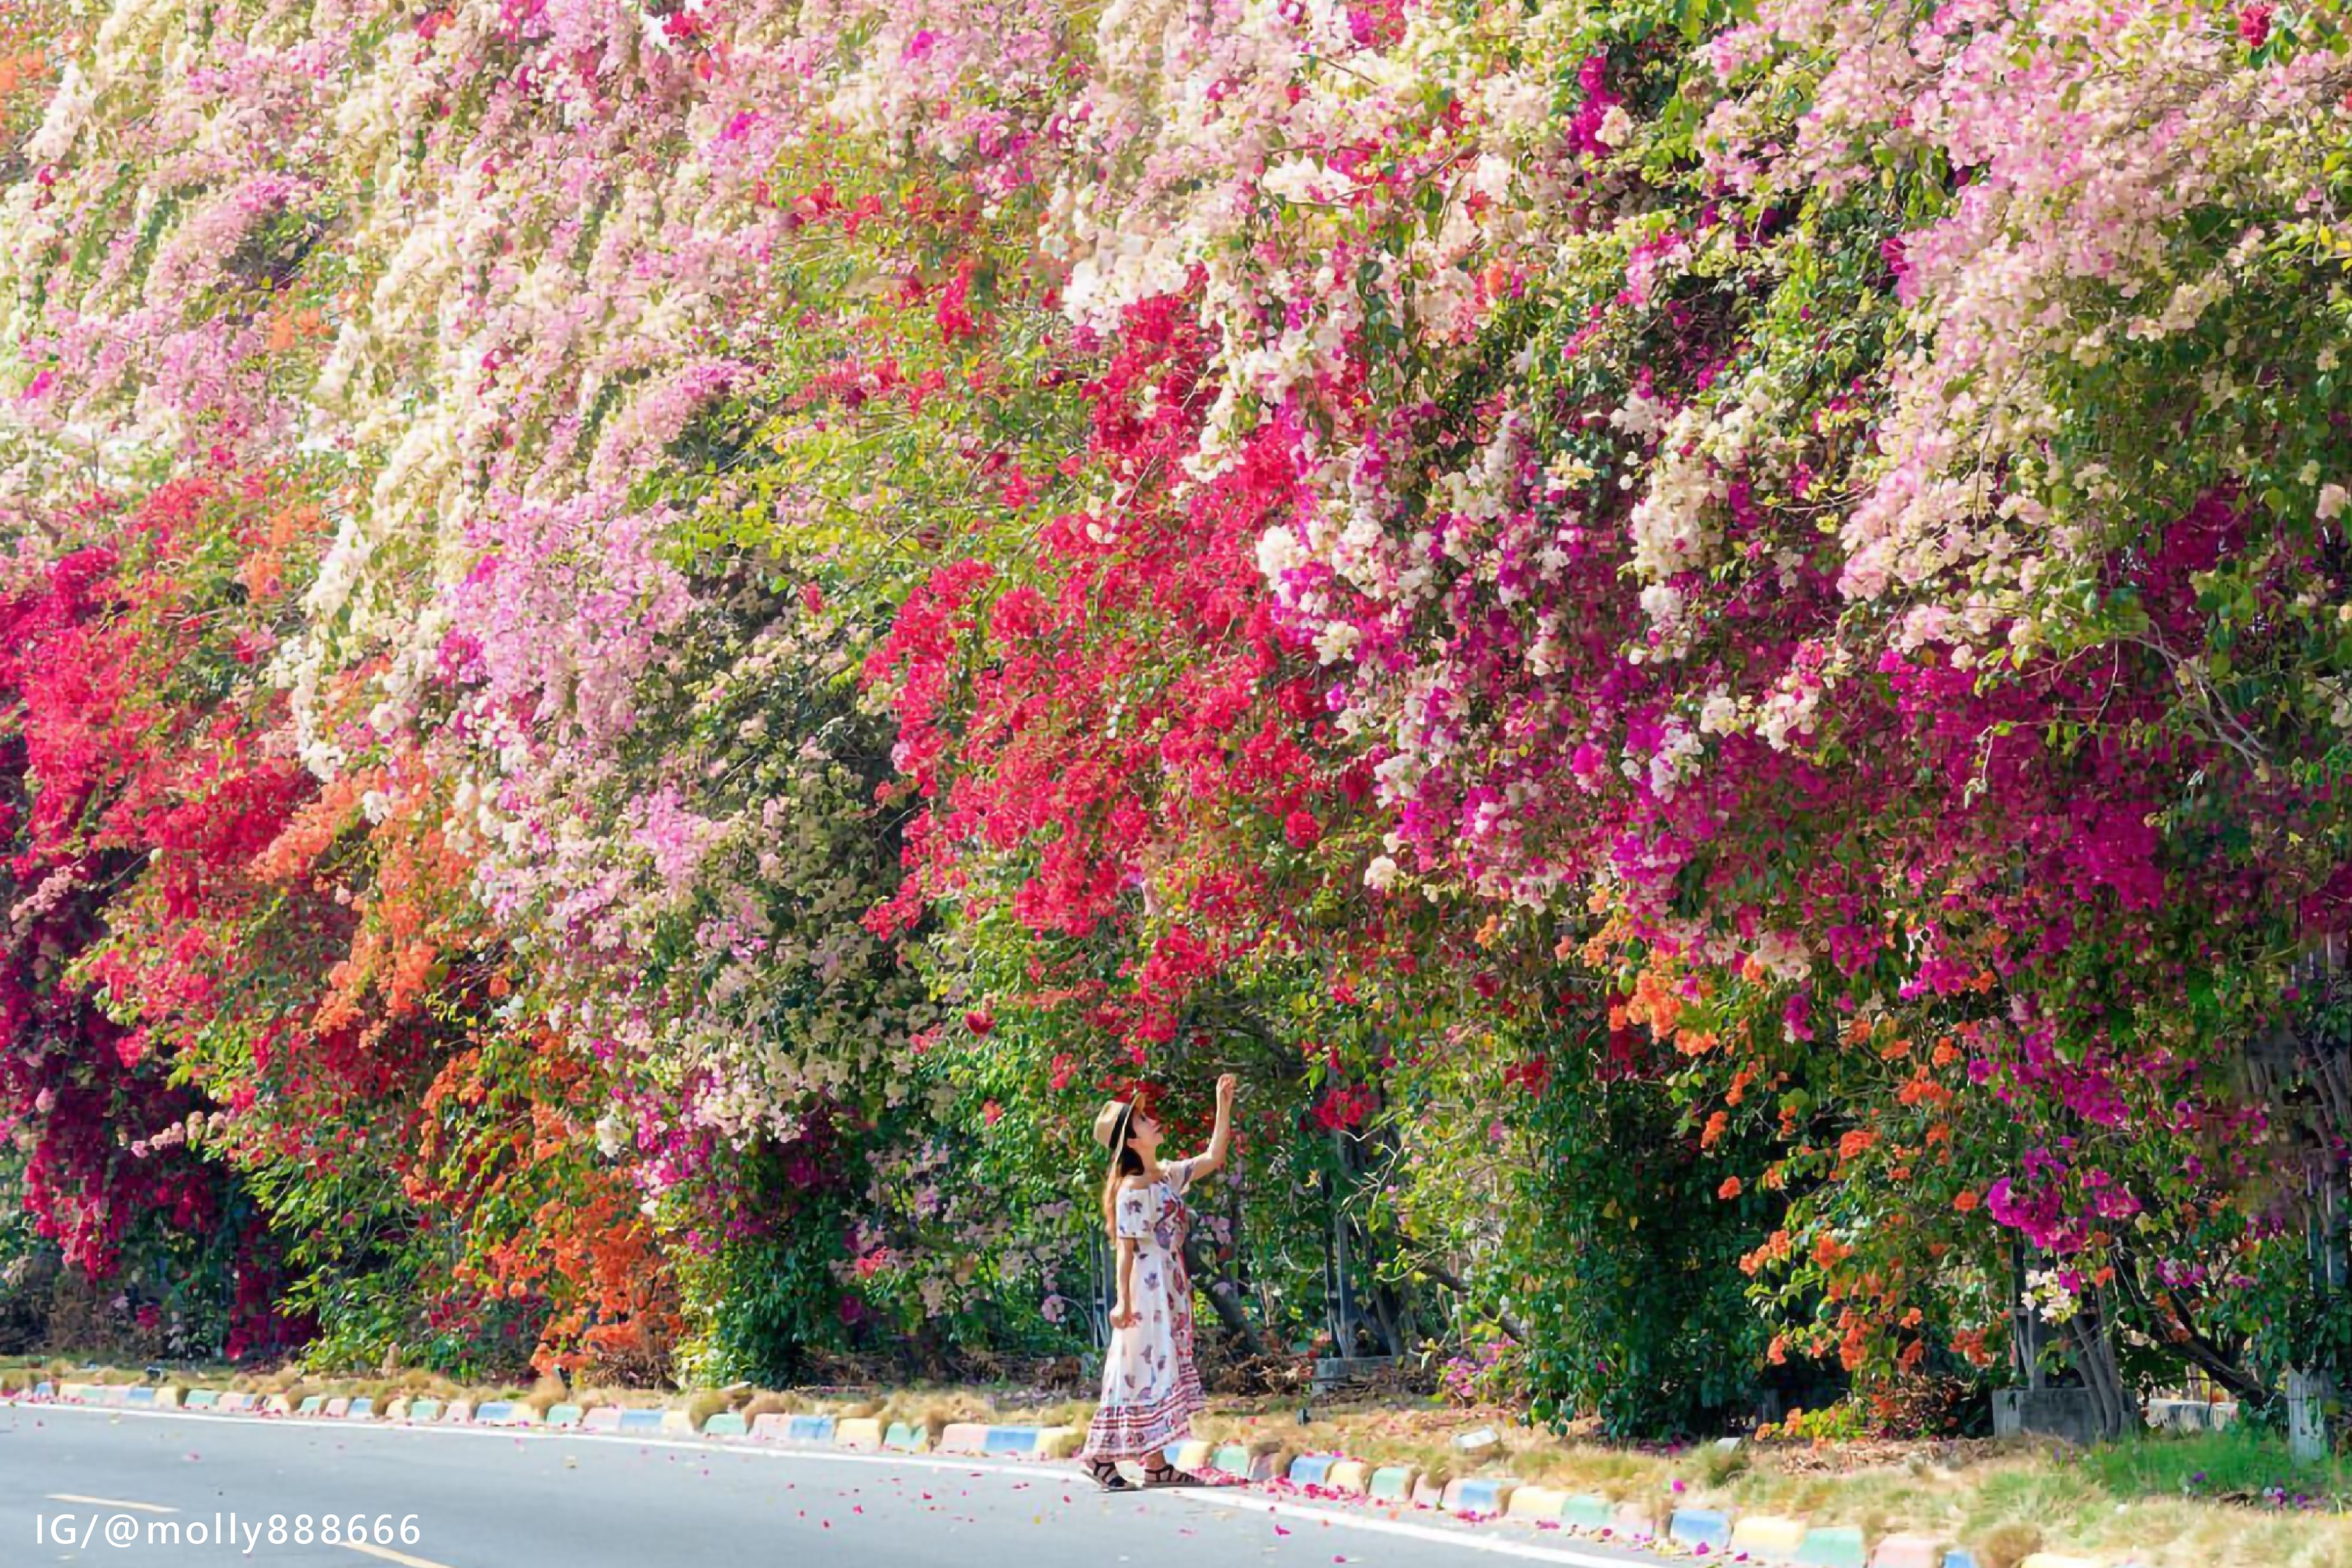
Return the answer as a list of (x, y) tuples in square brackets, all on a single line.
[(2095, 1356), (1224, 1304)]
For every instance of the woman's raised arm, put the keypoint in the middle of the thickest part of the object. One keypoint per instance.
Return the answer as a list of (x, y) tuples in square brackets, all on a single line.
[(1221, 1138)]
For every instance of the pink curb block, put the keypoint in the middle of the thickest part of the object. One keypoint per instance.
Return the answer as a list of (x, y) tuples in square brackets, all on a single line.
[(1426, 1494), (604, 1418), (1908, 1552), (963, 1438), (1632, 1520)]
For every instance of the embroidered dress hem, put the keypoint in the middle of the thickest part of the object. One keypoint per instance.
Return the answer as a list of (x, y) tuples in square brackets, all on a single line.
[(1141, 1432)]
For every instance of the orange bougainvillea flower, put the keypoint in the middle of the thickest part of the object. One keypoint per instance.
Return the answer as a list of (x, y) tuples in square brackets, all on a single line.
[(1732, 1188), (1967, 1201)]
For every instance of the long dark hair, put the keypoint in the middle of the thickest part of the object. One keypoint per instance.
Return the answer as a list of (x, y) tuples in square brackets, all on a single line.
[(1124, 1163)]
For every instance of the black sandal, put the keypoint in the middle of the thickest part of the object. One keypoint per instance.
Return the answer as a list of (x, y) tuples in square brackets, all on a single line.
[(1166, 1474), (1106, 1476)]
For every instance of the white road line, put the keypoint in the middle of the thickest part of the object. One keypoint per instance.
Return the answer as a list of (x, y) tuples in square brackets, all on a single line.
[(389, 1555), (1568, 1557), (110, 1502), (1562, 1554)]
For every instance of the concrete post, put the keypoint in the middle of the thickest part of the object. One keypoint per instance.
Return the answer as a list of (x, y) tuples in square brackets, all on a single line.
[(2308, 1395)]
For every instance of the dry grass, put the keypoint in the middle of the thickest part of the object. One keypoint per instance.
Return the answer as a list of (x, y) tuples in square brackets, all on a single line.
[(545, 1395), (767, 1402)]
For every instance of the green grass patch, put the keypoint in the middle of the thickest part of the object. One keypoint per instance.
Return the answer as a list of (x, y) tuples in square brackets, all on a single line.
[(2230, 1466)]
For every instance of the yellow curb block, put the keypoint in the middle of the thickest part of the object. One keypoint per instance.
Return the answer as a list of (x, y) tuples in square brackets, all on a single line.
[(2052, 1559), (1060, 1442), (1190, 1454), (1348, 1475), (1763, 1533), (278, 1405), (1535, 1502), (863, 1433)]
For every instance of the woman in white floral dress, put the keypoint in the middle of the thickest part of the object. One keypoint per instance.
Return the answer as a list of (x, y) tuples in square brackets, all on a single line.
[(1150, 1389)]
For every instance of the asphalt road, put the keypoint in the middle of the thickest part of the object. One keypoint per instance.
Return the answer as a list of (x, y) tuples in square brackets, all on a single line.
[(475, 1499)]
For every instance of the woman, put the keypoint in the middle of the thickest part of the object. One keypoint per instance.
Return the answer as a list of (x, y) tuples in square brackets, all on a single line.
[(1151, 1390)]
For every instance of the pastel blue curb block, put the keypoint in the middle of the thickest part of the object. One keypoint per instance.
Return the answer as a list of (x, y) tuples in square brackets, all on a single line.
[(641, 1420), (1233, 1458), (425, 1410), (1586, 1510), (495, 1412), (1479, 1497), (1389, 1483), (1961, 1557), (726, 1423), (1010, 1440), (361, 1408), (311, 1404), (810, 1429), (1708, 1527), (1838, 1546), (45, 1391), (201, 1399), (140, 1396), (1311, 1469), (905, 1439), (557, 1415)]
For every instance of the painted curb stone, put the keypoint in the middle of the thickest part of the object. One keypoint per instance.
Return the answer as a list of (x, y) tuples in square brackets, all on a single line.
[(1010, 1439), (1839, 1546), (1707, 1527), (1586, 1510), (1309, 1470), (1487, 1494)]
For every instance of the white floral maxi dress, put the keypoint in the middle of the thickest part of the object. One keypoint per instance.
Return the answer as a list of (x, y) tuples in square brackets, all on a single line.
[(1150, 1389)]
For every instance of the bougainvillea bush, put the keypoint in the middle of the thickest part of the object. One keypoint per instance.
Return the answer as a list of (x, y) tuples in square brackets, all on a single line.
[(648, 644)]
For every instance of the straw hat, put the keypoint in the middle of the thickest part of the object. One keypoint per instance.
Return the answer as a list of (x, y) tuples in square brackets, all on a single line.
[(1107, 1124)]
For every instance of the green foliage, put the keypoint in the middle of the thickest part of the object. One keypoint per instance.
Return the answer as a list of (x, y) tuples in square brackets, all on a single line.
[(1633, 1288)]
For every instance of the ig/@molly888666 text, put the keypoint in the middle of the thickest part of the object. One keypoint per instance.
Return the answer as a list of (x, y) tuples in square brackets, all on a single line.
[(248, 1533)]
